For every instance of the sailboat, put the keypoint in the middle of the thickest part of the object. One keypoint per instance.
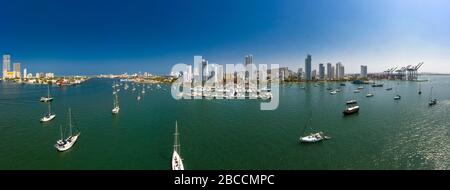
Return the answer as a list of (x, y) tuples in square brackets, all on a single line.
[(116, 108), (48, 98), (177, 161), (139, 97), (143, 89), (420, 89), (313, 137), (65, 144), (369, 94), (432, 101), (351, 109), (49, 116), (397, 97)]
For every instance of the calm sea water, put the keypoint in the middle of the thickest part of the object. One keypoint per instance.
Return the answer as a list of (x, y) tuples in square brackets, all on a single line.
[(228, 134)]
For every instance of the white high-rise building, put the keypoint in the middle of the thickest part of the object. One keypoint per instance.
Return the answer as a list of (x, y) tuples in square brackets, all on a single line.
[(17, 71), (340, 71), (25, 73), (6, 65), (329, 71), (363, 71)]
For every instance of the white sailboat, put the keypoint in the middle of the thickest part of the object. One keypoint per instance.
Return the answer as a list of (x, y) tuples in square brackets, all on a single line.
[(48, 98), (432, 101), (116, 108), (65, 144), (177, 161), (313, 137), (49, 116)]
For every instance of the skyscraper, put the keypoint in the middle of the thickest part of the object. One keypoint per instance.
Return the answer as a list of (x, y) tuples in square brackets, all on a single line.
[(332, 72), (248, 61), (17, 72), (204, 71), (25, 73), (314, 74), (340, 71), (363, 71), (337, 70), (329, 71), (321, 71), (308, 68), (6, 65)]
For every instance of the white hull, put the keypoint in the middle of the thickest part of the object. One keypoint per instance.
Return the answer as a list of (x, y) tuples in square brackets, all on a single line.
[(67, 144), (116, 110), (46, 99), (48, 118), (177, 162)]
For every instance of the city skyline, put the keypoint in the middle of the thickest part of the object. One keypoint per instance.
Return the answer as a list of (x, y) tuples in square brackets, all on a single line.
[(142, 36)]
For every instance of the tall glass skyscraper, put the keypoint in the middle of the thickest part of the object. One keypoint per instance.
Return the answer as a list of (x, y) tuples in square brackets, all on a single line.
[(321, 71), (308, 68)]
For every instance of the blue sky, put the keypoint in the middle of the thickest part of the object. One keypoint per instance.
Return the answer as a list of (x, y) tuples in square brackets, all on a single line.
[(91, 37)]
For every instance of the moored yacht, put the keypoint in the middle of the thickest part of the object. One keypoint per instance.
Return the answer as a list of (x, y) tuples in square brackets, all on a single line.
[(65, 144), (49, 116), (351, 102), (177, 161), (48, 98), (351, 110)]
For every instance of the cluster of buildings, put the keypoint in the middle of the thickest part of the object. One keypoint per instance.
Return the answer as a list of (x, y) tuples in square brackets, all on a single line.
[(16, 72), (203, 71), (323, 72), (17, 75)]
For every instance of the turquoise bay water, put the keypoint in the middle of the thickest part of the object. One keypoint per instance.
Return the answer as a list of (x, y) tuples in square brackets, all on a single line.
[(228, 134)]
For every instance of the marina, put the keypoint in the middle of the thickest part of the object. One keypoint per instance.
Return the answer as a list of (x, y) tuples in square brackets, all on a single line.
[(224, 134)]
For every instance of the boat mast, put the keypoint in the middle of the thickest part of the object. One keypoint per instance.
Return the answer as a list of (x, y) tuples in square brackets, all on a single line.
[(49, 109), (176, 145), (431, 93), (70, 121), (60, 128), (48, 91)]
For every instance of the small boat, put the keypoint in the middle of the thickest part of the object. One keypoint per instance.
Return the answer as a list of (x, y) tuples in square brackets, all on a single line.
[(342, 84), (312, 138), (369, 95), (338, 90), (377, 85), (116, 108), (138, 98), (65, 144), (388, 89), (329, 88), (333, 92), (420, 90), (397, 97), (351, 102), (360, 87), (432, 101), (177, 161), (49, 116), (48, 98), (356, 91), (351, 110)]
